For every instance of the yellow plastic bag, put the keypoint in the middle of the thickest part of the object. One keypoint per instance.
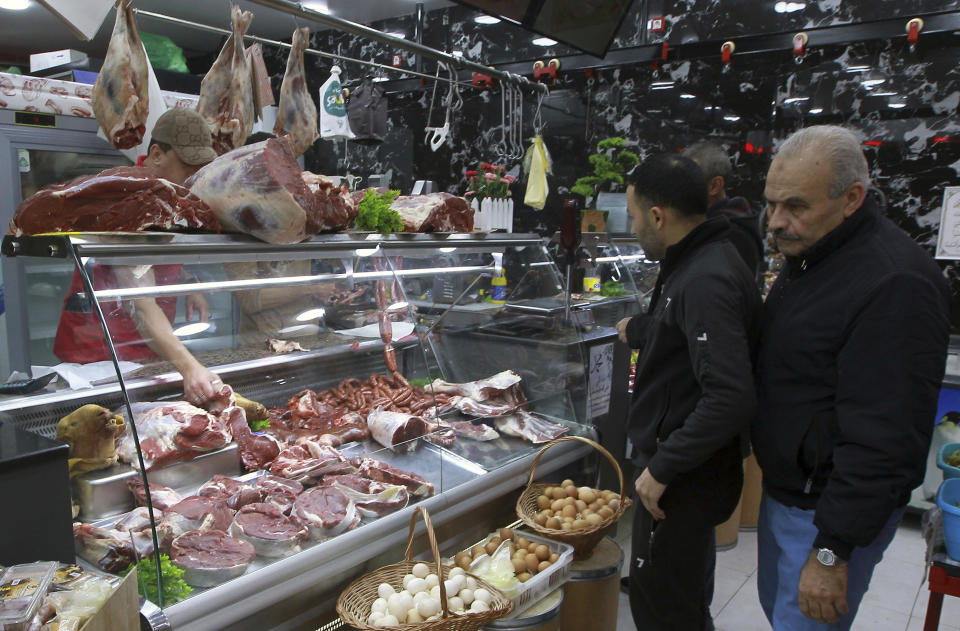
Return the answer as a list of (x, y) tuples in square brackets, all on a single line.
[(537, 164)]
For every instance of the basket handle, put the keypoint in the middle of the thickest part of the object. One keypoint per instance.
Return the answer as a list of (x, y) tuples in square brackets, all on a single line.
[(432, 537), (595, 445)]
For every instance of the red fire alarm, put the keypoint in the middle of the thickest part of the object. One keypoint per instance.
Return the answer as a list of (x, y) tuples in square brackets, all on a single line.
[(657, 24), (397, 61)]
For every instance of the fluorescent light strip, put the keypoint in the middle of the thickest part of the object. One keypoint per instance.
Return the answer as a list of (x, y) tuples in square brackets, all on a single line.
[(688, 96), (543, 41), (816, 110), (796, 99), (486, 19)]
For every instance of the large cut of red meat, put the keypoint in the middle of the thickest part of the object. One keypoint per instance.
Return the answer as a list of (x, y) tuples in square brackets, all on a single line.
[(308, 417), (382, 472), (256, 450), (171, 432), (334, 207), (309, 461), (234, 493), (121, 199), (434, 212)]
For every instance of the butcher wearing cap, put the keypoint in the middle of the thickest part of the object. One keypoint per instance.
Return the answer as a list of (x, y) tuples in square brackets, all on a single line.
[(141, 329)]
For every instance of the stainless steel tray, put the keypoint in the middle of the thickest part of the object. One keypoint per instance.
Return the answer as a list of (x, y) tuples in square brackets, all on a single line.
[(104, 493)]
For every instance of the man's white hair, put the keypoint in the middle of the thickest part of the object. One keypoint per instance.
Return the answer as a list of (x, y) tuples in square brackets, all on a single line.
[(840, 145)]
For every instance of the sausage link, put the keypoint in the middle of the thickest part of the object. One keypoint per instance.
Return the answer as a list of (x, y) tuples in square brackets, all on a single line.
[(386, 327), (381, 295), (390, 358)]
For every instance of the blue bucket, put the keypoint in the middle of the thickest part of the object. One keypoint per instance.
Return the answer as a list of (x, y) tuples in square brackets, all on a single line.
[(947, 499), (945, 451)]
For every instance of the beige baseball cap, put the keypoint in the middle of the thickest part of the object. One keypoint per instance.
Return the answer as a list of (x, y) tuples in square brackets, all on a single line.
[(187, 133)]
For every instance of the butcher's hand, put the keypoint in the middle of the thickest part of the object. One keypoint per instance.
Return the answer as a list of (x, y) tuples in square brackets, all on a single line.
[(823, 590), (650, 491), (622, 329), (199, 384), (197, 304)]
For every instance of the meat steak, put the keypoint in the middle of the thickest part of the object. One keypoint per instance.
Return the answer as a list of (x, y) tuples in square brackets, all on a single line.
[(161, 496), (211, 557), (121, 199), (308, 461), (234, 493), (373, 499), (434, 212), (325, 511), (281, 492), (271, 533), (382, 472), (193, 513)]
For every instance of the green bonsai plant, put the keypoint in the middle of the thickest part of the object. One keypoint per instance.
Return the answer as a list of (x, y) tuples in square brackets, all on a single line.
[(610, 164)]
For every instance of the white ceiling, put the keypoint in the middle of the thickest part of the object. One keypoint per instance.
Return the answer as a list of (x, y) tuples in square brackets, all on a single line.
[(36, 30)]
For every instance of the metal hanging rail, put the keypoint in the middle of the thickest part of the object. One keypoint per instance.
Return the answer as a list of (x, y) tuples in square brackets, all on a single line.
[(366, 32), (273, 42)]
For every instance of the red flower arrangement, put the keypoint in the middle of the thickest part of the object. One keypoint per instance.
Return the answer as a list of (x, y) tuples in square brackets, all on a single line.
[(488, 181)]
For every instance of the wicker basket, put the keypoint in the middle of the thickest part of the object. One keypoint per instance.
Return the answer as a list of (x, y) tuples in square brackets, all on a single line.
[(584, 539), (355, 601)]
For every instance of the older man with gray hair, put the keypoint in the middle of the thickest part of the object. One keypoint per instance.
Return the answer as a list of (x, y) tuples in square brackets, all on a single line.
[(852, 352)]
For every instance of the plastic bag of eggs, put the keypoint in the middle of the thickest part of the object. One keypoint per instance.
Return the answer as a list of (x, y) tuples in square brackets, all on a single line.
[(418, 599)]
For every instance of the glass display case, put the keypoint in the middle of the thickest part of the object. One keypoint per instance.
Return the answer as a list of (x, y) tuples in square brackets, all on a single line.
[(389, 371)]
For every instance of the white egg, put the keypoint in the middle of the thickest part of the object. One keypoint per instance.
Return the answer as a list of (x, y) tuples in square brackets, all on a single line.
[(384, 590), (472, 583), (432, 618), (479, 605), (455, 604), (406, 599), (414, 616), (374, 618), (420, 596), (466, 595), (432, 580), (428, 607), (457, 571), (435, 593), (396, 606), (389, 621), (379, 605), (407, 579), (417, 585), (420, 570), (482, 595), (452, 587)]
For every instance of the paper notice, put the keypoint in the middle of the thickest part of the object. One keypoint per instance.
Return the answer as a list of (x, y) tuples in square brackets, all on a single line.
[(600, 379)]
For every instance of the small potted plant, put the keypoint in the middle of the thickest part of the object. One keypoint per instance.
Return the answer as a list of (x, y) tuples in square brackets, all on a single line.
[(610, 164), (488, 189)]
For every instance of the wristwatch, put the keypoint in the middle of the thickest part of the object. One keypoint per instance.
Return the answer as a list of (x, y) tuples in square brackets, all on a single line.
[(827, 557)]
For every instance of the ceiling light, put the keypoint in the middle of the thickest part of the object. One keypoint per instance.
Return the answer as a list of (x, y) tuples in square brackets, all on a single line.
[(381, 78), (796, 99), (709, 107), (789, 7), (544, 41), (885, 94), (486, 19), (816, 110), (872, 82), (457, 53), (687, 96), (320, 6), (732, 119), (897, 106), (191, 329), (397, 306), (311, 314), (15, 5), (857, 68), (666, 85), (398, 34)]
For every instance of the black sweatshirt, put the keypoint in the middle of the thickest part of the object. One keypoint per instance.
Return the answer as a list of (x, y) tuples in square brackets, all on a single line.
[(852, 353), (694, 394)]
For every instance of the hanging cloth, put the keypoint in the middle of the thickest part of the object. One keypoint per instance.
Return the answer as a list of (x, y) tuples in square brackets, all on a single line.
[(333, 110), (367, 112), (537, 164)]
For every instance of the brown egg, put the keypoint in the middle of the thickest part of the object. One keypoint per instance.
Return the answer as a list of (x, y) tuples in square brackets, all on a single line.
[(522, 543), (568, 520), (569, 511), (541, 519), (581, 505), (463, 559), (506, 533), (523, 577), (543, 502), (476, 551), (608, 495), (556, 505), (593, 519), (490, 548), (595, 506), (606, 512), (532, 562), (542, 552), (543, 565), (554, 523), (547, 490), (587, 494), (496, 539), (519, 565), (570, 502), (614, 504), (558, 493), (553, 557), (566, 525), (571, 491), (567, 482)]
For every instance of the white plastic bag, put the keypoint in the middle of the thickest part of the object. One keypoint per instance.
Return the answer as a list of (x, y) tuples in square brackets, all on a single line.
[(333, 111)]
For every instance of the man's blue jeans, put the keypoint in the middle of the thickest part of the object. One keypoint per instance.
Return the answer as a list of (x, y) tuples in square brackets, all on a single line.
[(784, 540)]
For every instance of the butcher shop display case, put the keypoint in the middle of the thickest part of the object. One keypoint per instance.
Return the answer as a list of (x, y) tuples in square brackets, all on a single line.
[(642, 271), (274, 451)]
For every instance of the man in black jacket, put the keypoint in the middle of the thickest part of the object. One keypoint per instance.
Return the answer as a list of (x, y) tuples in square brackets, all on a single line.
[(852, 353), (694, 395)]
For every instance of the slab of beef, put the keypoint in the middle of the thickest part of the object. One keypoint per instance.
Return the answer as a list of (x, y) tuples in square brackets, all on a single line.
[(281, 492), (121, 199), (382, 472), (228, 101), (334, 207), (257, 190), (434, 212), (211, 557), (162, 497), (121, 95), (271, 533), (522, 424), (296, 113), (111, 550), (308, 461), (396, 430), (325, 511), (373, 499), (193, 513), (234, 493), (257, 451), (171, 432), (480, 390)]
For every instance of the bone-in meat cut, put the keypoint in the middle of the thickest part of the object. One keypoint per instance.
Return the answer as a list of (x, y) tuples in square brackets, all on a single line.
[(325, 511), (256, 450), (257, 190), (434, 212), (372, 499), (473, 431), (193, 513), (308, 461), (271, 533), (121, 199), (211, 557), (281, 492), (111, 550), (234, 493), (522, 424), (227, 99), (382, 472), (171, 432), (296, 113), (481, 389), (396, 430), (121, 96), (161, 496)]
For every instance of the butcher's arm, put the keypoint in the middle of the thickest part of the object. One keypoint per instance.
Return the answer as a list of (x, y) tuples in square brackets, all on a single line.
[(254, 301)]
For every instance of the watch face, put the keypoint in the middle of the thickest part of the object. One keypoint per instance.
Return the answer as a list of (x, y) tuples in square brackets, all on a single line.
[(826, 557)]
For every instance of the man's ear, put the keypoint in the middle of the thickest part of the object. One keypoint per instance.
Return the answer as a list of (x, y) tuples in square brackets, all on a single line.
[(853, 198), (659, 216), (715, 186), (154, 153)]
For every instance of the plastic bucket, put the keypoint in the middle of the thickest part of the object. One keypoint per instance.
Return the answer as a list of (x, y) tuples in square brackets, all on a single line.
[(945, 451), (947, 499)]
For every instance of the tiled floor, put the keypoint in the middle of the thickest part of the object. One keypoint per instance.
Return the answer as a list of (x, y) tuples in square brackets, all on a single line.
[(896, 601)]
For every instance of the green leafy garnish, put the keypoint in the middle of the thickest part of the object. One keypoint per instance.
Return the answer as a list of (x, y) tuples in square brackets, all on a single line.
[(374, 212), (423, 382), (612, 289), (175, 588), (257, 426)]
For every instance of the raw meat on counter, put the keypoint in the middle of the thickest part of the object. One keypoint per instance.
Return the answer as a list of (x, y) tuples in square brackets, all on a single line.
[(306, 416), (334, 207), (234, 493), (308, 461), (395, 430), (434, 212), (325, 511), (282, 346), (522, 424), (171, 432), (228, 101), (121, 199), (473, 431), (193, 513), (296, 113), (91, 432), (211, 557), (161, 496), (109, 549), (281, 492), (481, 389), (269, 531), (382, 472), (121, 96), (257, 451), (372, 499)]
